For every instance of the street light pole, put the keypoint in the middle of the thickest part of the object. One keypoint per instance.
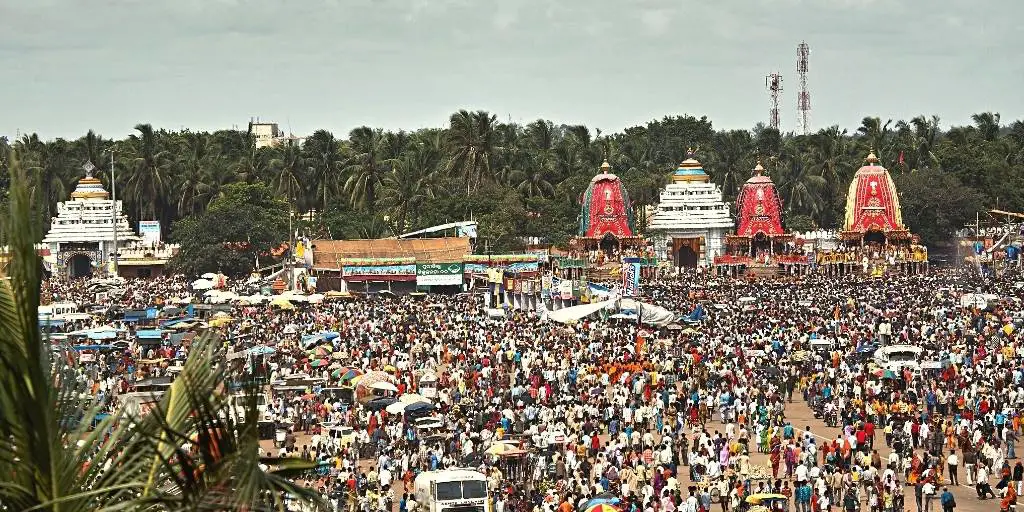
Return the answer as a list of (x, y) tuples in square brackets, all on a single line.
[(113, 195)]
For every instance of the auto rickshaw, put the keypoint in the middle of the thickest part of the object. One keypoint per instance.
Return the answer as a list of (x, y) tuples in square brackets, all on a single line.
[(771, 502)]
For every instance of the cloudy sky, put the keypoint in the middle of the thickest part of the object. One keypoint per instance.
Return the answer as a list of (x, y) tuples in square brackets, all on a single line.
[(70, 65)]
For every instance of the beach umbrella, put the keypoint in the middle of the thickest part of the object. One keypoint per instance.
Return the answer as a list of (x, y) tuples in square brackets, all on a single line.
[(209, 275), (504, 449), (389, 368), (350, 374), (202, 284), (418, 407), (282, 304), (338, 355), (318, 363), (378, 404), (601, 507), (383, 386), (890, 375), (369, 378), (411, 398), (396, 408)]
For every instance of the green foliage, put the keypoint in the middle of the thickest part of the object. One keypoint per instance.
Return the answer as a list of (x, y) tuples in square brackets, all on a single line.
[(239, 227), (384, 183), (799, 223), (57, 454), (936, 203)]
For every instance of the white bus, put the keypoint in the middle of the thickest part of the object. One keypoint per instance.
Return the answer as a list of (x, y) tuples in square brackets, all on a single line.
[(452, 490)]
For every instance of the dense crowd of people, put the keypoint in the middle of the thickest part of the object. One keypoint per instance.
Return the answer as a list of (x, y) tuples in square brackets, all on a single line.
[(684, 417)]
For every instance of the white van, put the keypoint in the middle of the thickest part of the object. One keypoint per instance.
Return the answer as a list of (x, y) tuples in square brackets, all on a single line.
[(898, 357), (452, 490)]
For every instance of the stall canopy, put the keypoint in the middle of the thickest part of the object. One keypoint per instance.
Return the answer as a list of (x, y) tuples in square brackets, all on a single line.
[(650, 314), (575, 313)]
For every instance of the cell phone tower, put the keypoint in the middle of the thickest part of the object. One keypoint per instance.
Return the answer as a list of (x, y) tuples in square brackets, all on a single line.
[(774, 84), (803, 99)]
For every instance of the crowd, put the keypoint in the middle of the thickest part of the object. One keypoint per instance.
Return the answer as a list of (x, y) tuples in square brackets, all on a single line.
[(683, 418)]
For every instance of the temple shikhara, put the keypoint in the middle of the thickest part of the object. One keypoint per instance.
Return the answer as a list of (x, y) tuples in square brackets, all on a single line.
[(607, 226), (691, 217), (872, 207), (81, 237), (760, 240)]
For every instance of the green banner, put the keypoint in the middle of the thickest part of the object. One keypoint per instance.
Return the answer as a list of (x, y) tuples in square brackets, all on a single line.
[(444, 274)]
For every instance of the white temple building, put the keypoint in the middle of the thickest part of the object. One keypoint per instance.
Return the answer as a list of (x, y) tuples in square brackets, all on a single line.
[(691, 220), (81, 237)]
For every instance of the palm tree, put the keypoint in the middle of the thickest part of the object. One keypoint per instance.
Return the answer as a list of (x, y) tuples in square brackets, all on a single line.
[(472, 139), (147, 180), (406, 187), (987, 124), (56, 452), (365, 167), (800, 185), (194, 158), (876, 135), (288, 169), (323, 154)]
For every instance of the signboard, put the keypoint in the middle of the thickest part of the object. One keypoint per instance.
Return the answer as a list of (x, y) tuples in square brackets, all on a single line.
[(379, 270), (474, 268), (439, 274), (630, 277), (149, 230), (543, 255), (565, 289), (515, 268)]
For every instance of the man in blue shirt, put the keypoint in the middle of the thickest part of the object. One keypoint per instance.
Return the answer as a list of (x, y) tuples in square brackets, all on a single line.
[(947, 500)]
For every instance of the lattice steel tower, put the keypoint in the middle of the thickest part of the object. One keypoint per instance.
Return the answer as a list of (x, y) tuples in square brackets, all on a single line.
[(774, 84), (803, 98)]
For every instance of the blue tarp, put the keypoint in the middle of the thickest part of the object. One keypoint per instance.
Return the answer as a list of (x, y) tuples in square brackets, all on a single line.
[(171, 323), (261, 350), (149, 334), (312, 340), (91, 347)]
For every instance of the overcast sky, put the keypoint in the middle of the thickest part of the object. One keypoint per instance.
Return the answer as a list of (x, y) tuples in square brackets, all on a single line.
[(70, 65)]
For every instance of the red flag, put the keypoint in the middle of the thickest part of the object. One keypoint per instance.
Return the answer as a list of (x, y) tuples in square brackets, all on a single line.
[(900, 160)]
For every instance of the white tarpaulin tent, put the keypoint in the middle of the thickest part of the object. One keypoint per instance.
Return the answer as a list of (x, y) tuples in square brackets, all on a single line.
[(574, 313), (651, 314)]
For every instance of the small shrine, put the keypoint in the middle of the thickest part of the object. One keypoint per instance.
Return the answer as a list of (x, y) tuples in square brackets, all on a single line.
[(607, 227), (81, 237), (691, 217)]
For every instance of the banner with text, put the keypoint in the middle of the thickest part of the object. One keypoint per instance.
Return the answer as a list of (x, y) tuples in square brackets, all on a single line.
[(438, 274)]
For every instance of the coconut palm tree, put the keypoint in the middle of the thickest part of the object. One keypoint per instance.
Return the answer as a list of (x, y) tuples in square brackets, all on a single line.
[(368, 163), (289, 168), (405, 188), (148, 177), (987, 124), (323, 154), (473, 145), (194, 158), (58, 454)]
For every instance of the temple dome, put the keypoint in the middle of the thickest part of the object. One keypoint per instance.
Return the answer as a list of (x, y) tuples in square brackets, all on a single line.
[(690, 170), (759, 206), (605, 207), (872, 203), (89, 188)]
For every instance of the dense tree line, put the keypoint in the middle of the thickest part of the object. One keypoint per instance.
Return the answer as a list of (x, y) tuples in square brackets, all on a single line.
[(526, 180)]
